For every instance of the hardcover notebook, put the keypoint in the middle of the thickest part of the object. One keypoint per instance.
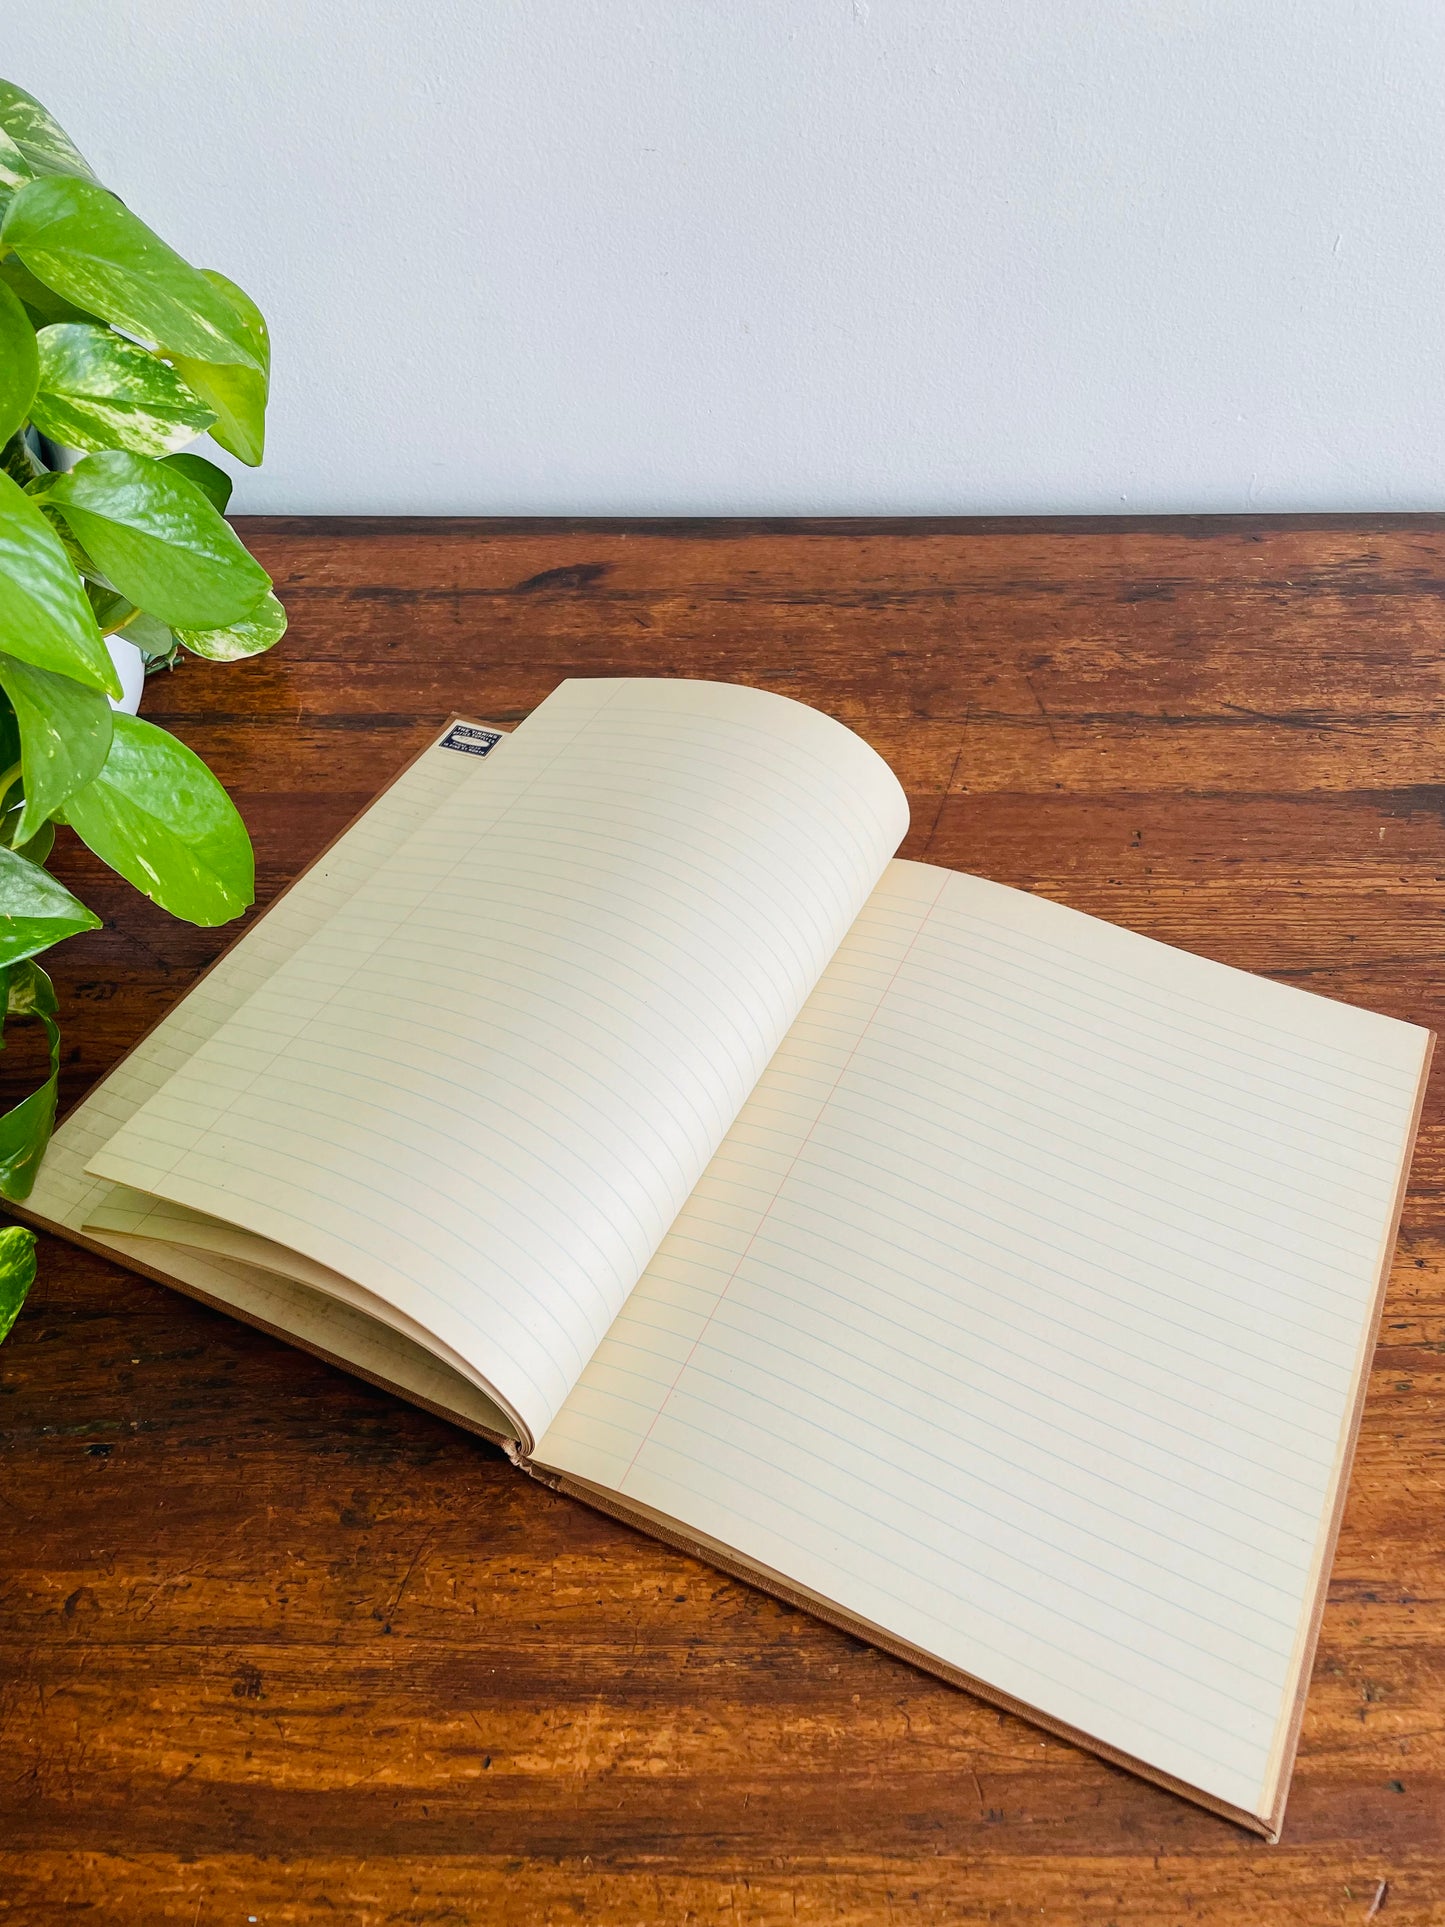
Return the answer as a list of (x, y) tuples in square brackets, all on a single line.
[(991, 1281)]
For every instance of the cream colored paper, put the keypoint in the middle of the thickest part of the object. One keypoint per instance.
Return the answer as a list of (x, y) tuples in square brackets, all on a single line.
[(137, 1217), (1020, 1315), (66, 1197), (484, 1088)]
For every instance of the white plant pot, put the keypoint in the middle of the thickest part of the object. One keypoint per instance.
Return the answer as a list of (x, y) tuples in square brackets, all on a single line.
[(130, 666)]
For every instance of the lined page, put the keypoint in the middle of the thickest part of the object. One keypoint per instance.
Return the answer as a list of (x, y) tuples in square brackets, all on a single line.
[(66, 1197), (485, 1087), (1021, 1311)]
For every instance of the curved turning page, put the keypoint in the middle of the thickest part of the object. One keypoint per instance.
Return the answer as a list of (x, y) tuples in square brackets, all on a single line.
[(142, 1220), (484, 1090), (66, 1200)]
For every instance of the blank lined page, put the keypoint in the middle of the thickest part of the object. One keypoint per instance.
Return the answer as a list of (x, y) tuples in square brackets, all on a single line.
[(485, 1087), (64, 1192), (1021, 1314), (67, 1197)]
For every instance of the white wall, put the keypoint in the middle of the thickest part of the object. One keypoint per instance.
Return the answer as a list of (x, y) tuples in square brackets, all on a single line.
[(800, 255)]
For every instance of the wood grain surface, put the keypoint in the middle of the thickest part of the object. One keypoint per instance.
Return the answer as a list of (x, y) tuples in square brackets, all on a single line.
[(276, 1647)]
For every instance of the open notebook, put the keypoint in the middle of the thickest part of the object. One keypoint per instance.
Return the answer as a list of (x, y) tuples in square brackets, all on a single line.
[(991, 1281)]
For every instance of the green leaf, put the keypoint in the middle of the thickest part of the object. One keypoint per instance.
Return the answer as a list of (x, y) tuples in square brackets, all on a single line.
[(119, 617), (9, 745), (37, 488), (25, 1130), (83, 242), (36, 910), (17, 1272), (45, 618), (214, 483), (98, 390), (152, 638), (154, 536), (157, 816), (253, 634), (21, 463), (82, 564), (238, 394), (42, 142), (15, 170), (65, 732), (111, 609), (40, 845), (41, 303), (19, 364)]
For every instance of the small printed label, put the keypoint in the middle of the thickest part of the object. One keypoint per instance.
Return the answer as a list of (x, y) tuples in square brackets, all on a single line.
[(472, 738)]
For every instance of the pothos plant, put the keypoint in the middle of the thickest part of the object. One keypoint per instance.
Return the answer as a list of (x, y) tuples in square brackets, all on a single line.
[(114, 355)]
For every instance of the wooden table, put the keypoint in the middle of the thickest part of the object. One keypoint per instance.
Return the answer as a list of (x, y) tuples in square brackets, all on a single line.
[(278, 1647)]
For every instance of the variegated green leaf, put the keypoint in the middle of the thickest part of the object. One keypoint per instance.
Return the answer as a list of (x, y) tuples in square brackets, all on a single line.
[(19, 364), (44, 615), (158, 540), (25, 1130), (36, 910), (214, 483), (160, 819), (252, 636), (88, 246), (37, 137), (237, 393), (15, 170), (98, 390), (17, 1272), (42, 304), (65, 732)]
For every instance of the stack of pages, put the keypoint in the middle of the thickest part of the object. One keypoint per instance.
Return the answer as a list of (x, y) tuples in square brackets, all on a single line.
[(986, 1279)]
